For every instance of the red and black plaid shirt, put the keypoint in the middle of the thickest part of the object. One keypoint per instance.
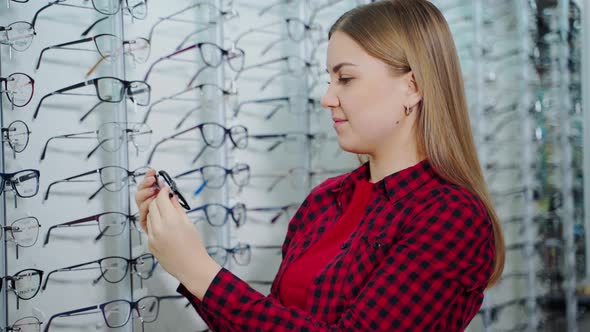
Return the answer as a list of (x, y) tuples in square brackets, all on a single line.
[(419, 260)]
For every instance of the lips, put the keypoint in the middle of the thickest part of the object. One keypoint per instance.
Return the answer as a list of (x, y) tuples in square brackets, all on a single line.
[(337, 120)]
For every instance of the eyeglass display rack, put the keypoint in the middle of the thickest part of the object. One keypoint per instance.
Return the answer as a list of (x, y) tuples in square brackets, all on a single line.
[(281, 152), (524, 139)]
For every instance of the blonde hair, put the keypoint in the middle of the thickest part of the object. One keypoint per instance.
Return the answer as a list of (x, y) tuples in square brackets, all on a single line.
[(413, 35)]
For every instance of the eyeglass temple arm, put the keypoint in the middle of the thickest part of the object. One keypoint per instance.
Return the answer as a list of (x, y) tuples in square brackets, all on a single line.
[(62, 90), (71, 223), (67, 269), (83, 34), (70, 313), (203, 149), (276, 182), (79, 41), (196, 32), (188, 172), (185, 117), (192, 80), (102, 186), (150, 157), (147, 74), (165, 139), (257, 29), (262, 64), (34, 20), (64, 136), (271, 45), (97, 146), (258, 101), (166, 18), (163, 99), (67, 180), (281, 137), (91, 110)]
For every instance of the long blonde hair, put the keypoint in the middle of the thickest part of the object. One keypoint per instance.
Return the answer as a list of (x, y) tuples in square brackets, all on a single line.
[(413, 35)]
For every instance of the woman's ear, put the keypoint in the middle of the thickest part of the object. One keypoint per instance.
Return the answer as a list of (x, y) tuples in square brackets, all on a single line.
[(414, 94)]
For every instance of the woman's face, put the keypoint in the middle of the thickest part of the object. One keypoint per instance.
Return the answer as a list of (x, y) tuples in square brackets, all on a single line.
[(367, 102)]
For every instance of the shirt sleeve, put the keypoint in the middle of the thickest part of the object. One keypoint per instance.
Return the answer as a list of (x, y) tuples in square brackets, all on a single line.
[(212, 320), (443, 253)]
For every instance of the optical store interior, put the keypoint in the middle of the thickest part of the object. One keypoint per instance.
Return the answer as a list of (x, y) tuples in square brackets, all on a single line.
[(224, 95)]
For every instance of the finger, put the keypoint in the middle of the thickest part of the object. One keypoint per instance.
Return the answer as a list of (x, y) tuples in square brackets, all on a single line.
[(144, 194), (154, 216), (149, 231), (144, 213), (165, 207), (144, 207), (150, 172), (147, 182)]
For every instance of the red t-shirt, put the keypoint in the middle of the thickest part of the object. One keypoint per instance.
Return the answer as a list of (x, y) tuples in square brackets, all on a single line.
[(296, 281)]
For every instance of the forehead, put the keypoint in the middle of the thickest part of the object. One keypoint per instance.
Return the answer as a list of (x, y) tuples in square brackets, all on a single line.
[(343, 48)]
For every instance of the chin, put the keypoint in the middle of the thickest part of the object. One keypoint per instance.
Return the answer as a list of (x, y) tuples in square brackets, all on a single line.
[(351, 147)]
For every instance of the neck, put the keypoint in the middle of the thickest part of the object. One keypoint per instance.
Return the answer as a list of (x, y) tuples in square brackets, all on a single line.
[(393, 159)]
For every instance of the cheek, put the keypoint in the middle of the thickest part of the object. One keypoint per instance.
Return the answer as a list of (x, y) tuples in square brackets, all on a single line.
[(375, 114)]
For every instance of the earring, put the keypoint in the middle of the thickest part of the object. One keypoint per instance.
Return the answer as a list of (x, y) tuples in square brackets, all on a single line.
[(408, 110)]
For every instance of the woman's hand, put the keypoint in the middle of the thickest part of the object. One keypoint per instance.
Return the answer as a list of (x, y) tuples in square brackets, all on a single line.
[(177, 245), (146, 193)]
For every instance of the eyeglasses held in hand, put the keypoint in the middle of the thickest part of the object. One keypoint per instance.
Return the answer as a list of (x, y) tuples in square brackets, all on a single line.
[(137, 8), (108, 90), (108, 46), (113, 269), (208, 95), (116, 313), (215, 176), (19, 89), (217, 215), (108, 223), (212, 134), (16, 135), (23, 232), (110, 137), (112, 178), (18, 35), (25, 284), (25, 324), (172, 185)]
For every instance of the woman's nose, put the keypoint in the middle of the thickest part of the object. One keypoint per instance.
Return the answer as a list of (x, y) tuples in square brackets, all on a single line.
[(329, 100)]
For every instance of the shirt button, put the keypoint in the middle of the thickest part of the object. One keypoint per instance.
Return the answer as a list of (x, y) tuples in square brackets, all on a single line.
[(376, 245), (344, 246)]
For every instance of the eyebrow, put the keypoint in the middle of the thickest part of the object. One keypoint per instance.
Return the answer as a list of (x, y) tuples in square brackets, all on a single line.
[(337, 67)]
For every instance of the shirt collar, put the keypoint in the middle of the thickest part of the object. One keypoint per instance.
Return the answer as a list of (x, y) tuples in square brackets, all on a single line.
[(394, 186)]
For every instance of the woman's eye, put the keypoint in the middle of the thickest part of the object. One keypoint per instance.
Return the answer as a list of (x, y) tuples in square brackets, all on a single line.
[(344, 80)]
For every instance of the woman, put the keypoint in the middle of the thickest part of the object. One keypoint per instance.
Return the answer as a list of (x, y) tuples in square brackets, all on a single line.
[(407, 242)]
